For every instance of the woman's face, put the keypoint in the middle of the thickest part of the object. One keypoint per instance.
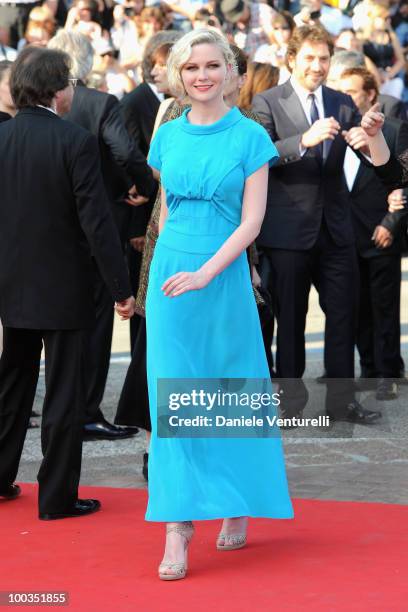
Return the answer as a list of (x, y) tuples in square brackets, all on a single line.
[(150, 27), (348, 41), (382, 23), (281, 32), (159, 74), (204, 74), (84, 12), (38, 37)]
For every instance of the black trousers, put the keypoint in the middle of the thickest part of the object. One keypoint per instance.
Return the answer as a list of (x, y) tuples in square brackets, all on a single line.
[(62, 420), (133, 406), (333, 270), (98, 339), (97, 349), (379, 330), (134, 259)]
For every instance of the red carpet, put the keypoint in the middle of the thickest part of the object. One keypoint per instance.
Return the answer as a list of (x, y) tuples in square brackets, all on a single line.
[(335, 556)]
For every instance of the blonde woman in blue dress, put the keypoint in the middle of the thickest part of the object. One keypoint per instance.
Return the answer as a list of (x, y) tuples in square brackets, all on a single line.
[(201, 316)]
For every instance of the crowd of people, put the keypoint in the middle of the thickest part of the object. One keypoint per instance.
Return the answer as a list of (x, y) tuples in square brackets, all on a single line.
[(120, 31), (307, 73)]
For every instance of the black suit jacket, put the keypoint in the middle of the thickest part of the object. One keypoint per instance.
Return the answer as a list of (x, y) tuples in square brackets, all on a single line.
[(122, 162), (392, 107), (140, 108), (53, 212), (369, 196), (301, 189), (4, 117)]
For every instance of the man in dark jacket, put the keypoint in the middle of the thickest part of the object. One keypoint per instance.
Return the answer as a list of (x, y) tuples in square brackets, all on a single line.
[(307, 232), (378, 252), (54, 213), (123, 166)]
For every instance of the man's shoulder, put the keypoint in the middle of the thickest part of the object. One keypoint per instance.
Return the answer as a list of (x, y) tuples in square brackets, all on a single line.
[(137, 96), (73, 133), (337, 95), (93, 97), (393, 127), (277, 92), (75, 129)]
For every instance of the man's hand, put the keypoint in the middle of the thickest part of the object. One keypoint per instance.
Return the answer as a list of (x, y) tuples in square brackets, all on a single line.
[(185, 281), (134, 199), (357, 138), (138, 243), (126, 309), (372, 121), (396, 200), (382, 237), (322, 129)]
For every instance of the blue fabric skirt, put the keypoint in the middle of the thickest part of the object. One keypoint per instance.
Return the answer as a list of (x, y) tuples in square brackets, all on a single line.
[(211, 333)]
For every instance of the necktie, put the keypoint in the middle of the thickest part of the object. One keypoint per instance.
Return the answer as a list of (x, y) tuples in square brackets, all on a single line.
[(314, 116)]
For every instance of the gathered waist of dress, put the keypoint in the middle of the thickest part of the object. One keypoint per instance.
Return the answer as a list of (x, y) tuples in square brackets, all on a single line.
[(196, 226), (186, 238)]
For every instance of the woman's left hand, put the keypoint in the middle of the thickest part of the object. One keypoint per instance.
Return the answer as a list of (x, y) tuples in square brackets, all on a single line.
[(373, 120), (185, 281)]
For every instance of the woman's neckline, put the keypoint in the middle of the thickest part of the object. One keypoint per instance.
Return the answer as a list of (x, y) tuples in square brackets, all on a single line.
[(231, 116)]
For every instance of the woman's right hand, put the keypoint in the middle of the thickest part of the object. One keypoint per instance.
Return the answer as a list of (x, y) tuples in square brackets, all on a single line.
[(373, 120)]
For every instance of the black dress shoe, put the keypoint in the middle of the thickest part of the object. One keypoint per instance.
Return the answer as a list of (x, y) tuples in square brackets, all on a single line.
[(355, 413), (145, 468), (82, 507), (102, 430), (387, 389), (10, 492)]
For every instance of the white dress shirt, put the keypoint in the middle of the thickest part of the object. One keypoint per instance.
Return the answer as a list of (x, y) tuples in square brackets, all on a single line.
[(48, 108), (351, 167), (306, 102), (157, 93), (303, 95)]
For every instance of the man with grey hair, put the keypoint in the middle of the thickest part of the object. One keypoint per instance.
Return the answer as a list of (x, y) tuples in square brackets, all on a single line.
[(341, 61), (123, 166)]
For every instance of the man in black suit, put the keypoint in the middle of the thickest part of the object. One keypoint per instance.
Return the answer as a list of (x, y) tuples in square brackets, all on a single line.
[(342, 60), (53, 214), (307, 233), (379, 254), (140, 108), (123, 165)]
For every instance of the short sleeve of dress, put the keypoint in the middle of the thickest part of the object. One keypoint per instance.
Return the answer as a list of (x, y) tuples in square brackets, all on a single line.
[(154, 158), (259, 149)]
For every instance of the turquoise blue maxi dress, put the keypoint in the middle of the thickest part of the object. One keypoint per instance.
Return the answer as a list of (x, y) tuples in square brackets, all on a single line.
[(211, 333)]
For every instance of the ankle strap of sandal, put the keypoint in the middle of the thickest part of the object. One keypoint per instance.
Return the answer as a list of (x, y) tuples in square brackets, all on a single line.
[(184, 528)]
